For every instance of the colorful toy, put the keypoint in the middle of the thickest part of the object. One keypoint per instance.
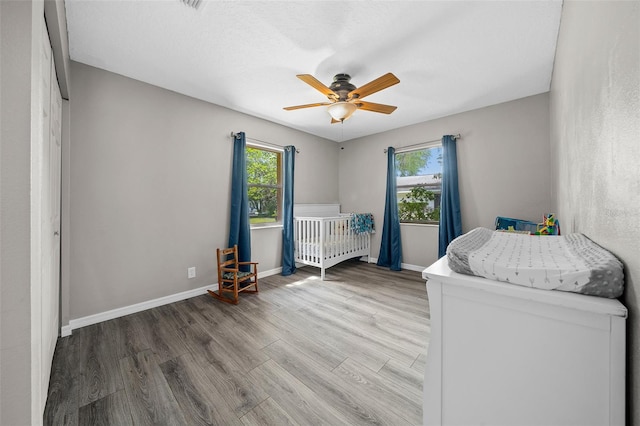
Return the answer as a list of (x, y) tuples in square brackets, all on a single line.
[(519, 226), (549, 226)]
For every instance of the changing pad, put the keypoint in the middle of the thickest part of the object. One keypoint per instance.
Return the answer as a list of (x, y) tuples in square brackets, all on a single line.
[(567, 263)]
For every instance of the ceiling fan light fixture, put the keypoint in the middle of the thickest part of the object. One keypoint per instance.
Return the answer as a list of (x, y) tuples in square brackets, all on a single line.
[(342, 110)]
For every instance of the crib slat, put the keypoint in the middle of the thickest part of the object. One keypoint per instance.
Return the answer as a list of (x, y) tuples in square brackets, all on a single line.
[(339, 237), (303, 252), (310, 239), (332, 238), (343, 237)]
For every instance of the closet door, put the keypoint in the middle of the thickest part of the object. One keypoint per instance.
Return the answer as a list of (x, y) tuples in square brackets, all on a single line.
[(51, 251), (46, 288)]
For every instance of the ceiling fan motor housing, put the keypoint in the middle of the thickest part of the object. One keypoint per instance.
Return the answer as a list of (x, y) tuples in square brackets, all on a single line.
[(341, 86)]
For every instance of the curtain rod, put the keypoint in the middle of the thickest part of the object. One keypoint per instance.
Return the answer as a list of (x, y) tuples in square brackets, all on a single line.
[(456, 137), (267, 144)]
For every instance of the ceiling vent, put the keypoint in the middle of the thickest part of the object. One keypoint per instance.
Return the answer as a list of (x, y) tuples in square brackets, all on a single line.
[(192, 3)]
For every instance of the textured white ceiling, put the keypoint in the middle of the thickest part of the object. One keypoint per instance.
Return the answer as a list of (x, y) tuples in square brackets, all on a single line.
[(450, 56)]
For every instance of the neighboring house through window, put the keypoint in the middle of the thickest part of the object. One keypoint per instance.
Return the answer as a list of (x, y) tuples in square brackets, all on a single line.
[(419, 184), (264, 179)]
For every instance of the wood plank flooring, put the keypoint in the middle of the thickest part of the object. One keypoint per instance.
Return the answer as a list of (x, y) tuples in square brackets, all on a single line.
[(347, 350)]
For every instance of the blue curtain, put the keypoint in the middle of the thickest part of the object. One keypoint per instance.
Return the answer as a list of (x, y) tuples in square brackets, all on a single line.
[(391, 247), (288, 259), (450, 221), (239, 230)]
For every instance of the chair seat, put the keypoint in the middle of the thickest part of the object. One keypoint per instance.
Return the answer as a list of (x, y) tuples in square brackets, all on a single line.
[(241, 274), (230, 280)]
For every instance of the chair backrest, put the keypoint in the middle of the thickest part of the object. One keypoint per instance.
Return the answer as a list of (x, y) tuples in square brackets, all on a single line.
[(227, 257)]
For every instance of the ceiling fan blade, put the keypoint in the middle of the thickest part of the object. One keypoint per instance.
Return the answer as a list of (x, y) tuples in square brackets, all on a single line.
[(291, 108), (374, 86), (316, 84), (370, 106)]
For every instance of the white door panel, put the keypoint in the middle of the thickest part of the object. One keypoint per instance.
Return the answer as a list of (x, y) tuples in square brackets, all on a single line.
[(46, 289)]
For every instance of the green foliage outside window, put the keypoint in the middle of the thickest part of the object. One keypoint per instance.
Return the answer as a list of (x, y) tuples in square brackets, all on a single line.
[(264, 187), (414, 207), (410, 163), (419, 174)]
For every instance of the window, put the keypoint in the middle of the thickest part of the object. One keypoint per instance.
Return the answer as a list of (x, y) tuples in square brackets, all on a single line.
[(419, 185), (264, 179)]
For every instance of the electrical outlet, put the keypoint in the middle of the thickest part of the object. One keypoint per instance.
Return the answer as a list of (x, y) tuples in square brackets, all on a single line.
[(191, 272)]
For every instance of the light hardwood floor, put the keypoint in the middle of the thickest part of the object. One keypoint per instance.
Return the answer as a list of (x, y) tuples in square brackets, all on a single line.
[(349, 350)]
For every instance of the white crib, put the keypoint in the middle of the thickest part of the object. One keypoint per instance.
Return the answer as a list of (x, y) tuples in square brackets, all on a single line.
[(324, 241)]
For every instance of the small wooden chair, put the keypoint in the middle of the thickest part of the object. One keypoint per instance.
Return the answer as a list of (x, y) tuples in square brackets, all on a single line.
[(231, 279)]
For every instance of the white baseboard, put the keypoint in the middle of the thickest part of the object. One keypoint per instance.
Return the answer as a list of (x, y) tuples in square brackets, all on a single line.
[(406, 266), (143, 306), (411, 267), (275, 271)]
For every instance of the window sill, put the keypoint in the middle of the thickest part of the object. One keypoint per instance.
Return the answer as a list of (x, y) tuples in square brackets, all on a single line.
[(269, 226), (433, 225)]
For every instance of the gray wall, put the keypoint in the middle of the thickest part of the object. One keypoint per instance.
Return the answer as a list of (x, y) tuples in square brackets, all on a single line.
[(595, 140), (20, 24), (503, 162), (149, 185)]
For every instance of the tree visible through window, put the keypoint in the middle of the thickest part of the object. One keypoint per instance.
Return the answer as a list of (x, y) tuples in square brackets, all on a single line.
[(264, 179), (419, 185)]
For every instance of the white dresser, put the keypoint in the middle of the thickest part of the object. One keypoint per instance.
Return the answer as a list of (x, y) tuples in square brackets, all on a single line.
[(502, 354)]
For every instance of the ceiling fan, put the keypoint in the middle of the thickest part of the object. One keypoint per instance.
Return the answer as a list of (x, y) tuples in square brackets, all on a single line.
[(345, 98)]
